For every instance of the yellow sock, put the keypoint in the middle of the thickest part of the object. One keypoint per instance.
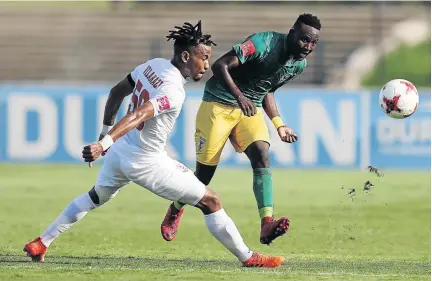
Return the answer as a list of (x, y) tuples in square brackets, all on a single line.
[(265, 212)]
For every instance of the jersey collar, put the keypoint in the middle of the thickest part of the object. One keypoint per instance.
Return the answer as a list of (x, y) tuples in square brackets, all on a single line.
[(183, 80), (285, 50)]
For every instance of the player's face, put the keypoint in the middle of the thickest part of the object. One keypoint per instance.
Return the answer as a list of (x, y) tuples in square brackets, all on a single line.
[(198, 62), (304, 40)]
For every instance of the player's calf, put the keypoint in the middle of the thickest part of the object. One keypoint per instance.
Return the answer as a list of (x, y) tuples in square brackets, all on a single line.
[(223, 229), (74, 211), (221, 225)]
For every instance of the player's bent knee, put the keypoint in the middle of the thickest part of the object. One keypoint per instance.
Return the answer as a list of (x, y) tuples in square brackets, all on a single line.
[(210, 202), (94, 196), (104, 194), (258, 153)]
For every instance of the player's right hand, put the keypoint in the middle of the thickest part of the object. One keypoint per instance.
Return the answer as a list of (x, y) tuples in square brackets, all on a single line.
[(92, 152), (247, 107), (286, 134)]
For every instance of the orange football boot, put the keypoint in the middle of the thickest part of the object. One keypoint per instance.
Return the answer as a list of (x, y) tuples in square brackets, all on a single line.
[(260, 260), (36, 250)]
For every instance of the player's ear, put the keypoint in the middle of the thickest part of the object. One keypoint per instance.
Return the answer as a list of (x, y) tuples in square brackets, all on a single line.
[(185, 56)]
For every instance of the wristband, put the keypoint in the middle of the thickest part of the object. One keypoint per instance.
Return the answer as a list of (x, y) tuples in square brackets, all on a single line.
[(278, 122), (106, 142), (106, 129)]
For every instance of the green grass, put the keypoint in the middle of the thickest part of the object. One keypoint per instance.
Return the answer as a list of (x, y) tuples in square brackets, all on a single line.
[(380, 235), (407, 62)]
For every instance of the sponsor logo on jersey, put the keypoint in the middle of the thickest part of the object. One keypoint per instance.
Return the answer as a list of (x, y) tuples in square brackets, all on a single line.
[(163, 103), (248, 48)]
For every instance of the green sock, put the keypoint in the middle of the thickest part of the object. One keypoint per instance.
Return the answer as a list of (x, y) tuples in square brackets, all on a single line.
[(178, 205), (263, 190)]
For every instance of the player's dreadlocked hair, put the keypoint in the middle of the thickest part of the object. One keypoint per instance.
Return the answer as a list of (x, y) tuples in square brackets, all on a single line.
[(188, 35), (310, 20)]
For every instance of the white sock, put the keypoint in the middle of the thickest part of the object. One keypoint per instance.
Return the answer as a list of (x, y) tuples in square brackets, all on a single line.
[(223, 229), (76, 210)]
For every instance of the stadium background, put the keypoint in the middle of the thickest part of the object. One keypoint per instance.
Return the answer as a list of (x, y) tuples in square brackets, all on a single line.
[(58, 62)]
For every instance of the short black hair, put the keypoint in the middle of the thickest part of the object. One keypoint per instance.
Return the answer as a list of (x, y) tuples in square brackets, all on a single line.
[(310, 20), (188, 35)]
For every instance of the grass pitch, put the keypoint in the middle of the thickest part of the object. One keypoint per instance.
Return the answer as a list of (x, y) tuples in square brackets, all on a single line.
[(383, 234)]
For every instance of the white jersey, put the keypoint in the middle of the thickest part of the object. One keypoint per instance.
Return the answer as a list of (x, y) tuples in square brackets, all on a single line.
[(161, 83), (140, 156)]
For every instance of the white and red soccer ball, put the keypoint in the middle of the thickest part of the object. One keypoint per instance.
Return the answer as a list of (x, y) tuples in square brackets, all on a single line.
[(399, 98)]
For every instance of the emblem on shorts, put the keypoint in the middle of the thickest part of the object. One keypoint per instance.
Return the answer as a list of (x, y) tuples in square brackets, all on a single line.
[(201, 143)]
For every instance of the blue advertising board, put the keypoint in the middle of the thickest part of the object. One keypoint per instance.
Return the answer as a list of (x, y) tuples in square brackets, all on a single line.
[(336, 129), (401, 143)]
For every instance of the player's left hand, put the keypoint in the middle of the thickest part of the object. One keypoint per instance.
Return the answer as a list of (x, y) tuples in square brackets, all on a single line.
[(286, 134), (92, 152)]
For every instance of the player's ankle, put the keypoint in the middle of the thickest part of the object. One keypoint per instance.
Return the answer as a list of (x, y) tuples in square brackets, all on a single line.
[(265, 212), (45, 242), (266, 219)]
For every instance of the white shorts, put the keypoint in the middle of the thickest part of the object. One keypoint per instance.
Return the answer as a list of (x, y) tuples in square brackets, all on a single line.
[(164, 176)]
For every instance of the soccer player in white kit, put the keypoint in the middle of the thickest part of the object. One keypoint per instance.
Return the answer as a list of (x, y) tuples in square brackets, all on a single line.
[(137, 149)]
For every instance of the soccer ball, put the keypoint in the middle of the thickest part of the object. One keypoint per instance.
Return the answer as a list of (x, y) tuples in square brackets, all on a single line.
[(399, 98)]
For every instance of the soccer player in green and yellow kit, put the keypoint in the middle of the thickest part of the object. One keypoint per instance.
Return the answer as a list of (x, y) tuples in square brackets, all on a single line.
[(235, 99)]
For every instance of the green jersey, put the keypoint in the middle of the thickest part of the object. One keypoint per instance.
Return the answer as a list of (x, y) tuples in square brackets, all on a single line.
[(263, 68)]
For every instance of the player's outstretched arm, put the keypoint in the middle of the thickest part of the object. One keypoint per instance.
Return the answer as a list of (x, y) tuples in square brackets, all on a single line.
[(221, 69), (270, 108), (115, 99), (269, 105), (130, 121)]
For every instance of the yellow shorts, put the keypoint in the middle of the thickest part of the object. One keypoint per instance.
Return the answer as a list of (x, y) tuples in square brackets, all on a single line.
[(216, 122)]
